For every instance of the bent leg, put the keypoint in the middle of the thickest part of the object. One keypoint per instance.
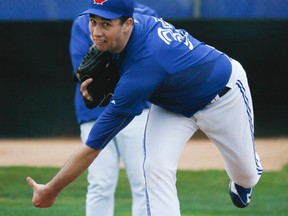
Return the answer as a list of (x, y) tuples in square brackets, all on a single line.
[(229, 123)]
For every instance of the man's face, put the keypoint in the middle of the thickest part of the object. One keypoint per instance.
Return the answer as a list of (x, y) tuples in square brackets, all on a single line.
[(107, 35)]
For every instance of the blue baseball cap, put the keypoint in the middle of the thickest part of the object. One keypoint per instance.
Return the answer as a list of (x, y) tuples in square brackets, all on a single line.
[(111, 9)]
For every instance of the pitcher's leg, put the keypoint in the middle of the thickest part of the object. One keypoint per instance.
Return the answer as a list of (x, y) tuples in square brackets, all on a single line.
[(229, 123), (166, 135)]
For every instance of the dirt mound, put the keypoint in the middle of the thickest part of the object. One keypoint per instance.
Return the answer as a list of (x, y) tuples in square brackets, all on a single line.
[(198, 154)]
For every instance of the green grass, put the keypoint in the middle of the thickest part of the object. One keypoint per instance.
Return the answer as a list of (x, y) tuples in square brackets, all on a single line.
[(200, 193)]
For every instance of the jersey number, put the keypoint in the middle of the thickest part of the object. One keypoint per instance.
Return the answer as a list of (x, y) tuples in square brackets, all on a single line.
[(168, 34)]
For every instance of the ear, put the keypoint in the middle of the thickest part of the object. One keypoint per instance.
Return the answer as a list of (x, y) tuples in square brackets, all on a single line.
[(128, 24)]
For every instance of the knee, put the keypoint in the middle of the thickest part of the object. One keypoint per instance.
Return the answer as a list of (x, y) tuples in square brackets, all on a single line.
[(152, 166), (160, 172), (247, 181)]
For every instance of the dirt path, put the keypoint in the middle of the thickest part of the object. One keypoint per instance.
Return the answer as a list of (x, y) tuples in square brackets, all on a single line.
[(197, 154)]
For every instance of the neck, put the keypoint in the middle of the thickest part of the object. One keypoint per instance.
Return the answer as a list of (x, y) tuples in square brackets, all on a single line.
[(125, 40)]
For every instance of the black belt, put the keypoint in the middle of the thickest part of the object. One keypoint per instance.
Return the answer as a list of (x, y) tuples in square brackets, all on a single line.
[(224, 91)]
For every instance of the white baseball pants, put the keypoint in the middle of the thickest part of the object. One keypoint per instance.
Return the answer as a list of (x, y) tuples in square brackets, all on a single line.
[(103, 172), (228, 122)]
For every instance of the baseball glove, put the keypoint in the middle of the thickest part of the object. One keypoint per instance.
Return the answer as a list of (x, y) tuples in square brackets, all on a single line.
[(101, 67)]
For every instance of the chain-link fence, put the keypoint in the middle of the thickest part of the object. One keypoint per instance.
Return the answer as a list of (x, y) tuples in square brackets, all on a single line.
[(176, 9)]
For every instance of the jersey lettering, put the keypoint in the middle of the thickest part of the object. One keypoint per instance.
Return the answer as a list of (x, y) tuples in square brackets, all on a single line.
[(169, 34)]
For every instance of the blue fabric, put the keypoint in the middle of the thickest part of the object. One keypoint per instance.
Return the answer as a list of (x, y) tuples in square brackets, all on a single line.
[(80, 43), (166, 66)]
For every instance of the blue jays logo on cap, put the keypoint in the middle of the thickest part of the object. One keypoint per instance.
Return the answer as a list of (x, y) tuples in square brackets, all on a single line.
[(100, 2), (111, 9)]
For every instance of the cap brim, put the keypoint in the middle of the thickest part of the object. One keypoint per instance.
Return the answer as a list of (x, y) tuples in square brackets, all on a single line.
[(101, 13)]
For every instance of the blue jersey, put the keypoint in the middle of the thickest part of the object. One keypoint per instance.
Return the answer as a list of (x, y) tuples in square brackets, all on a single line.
[(166, 66), (142, 9), (80, 43)]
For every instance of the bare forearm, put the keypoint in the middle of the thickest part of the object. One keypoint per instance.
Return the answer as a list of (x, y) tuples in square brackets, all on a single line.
[(78, 162)]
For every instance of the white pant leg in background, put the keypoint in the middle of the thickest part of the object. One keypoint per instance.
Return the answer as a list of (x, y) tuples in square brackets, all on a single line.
[(102, 178), (229, 123), (132, 154), (104, 171)]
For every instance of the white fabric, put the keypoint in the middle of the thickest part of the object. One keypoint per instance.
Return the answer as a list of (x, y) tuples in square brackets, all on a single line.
[(103, 172), (228, 122)]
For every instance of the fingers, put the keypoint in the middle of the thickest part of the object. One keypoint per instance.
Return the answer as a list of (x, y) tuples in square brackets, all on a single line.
[(84, 91), (85, 84), (42, 198), (31, 182)]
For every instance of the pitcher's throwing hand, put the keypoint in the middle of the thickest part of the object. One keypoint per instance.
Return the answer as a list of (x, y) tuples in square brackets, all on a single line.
[(43, 197)]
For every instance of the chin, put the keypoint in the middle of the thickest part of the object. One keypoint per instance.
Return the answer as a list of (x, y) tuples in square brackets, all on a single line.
[(101, 48)]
